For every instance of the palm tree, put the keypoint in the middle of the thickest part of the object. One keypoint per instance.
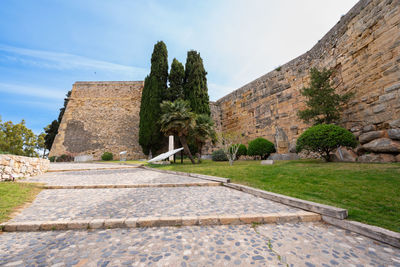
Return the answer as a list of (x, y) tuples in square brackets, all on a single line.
[(203, 130), (177, 119)]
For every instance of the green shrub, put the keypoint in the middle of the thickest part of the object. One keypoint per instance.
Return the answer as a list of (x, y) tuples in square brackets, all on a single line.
[(219, 155), (242, 151), (260, 147), (52, 158), (64, 158), (107, 156), (324, 138)]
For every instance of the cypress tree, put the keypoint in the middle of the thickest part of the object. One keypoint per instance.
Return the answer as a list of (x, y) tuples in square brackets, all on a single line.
[(195, 84), (176, 78), (155, 85)]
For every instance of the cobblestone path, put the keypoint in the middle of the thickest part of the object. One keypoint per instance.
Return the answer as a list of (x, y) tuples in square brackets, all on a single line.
[(288, 244)]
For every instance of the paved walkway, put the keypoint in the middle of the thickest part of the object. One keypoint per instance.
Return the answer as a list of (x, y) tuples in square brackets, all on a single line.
[(288, 244)]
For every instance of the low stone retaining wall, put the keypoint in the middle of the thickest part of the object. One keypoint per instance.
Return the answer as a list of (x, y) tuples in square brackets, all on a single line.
[(13, 167)]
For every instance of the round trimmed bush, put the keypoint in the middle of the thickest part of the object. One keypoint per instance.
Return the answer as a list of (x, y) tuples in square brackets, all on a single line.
[(260, 147), (324, 138), (107, 156), (52, 158), (219, 155)]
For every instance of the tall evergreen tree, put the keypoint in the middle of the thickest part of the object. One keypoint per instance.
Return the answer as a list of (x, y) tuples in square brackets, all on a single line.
[(155, 85), (51, 130), (176, 78), (323, 103), (195, 86)]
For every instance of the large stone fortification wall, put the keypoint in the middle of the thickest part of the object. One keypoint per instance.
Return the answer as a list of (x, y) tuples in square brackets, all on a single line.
[(364, 50), (101, 116)]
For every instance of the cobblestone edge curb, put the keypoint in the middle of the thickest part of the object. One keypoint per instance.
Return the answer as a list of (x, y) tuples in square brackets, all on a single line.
[(99, 186), (291, 201), (301, 216), (195, 175), (374, 232)]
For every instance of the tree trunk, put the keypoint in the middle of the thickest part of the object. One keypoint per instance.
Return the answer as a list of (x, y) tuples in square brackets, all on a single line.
[(182, 138), (198, 154)]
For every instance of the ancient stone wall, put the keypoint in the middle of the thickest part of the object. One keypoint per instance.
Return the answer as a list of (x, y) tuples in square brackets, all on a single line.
[(100, 117), (14, 167), (364, 50)]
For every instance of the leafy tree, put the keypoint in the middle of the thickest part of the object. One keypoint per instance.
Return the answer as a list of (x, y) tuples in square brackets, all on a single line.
[(195, 86), (202, 131), (41, 143), (176, 78), (177, 119), (51, 131), (230, 143), (324, 138), (17, 139), (260, 147), (324, 105), (155, 85)]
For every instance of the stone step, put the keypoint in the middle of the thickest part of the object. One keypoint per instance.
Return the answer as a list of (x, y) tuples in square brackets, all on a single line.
[(129, 185), (226, 219)]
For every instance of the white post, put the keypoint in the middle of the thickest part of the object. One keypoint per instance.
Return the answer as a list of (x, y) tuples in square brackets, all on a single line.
[(171, 146)]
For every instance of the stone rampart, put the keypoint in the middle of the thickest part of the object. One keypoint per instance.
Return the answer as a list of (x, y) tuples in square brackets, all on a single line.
[(13, 167), (364, 50), (100, 117)]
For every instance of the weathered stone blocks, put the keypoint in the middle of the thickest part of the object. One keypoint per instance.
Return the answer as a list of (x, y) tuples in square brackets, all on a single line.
[(383, 145), (13, 166)]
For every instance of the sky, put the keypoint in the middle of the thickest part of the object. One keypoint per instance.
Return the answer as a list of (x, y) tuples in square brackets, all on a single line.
[(47, 45)]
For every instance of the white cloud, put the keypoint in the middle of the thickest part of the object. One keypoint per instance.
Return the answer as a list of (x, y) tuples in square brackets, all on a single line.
[(65, 61), (35, 91)]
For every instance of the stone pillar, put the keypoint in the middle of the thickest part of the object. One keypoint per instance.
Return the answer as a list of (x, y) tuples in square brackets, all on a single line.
[(281, 141), (171, 146)]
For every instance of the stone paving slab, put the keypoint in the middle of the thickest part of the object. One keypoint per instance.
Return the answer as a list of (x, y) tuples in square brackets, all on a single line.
[(225, 219), (102, 177), (69, 166), (75, 204), (303, 244)]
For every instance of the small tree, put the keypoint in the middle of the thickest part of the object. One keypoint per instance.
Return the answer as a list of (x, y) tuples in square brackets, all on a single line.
[(230, 143), (260, 147), (242, 151), (51, 131), (324, 105), (177, 119), (324, 138)]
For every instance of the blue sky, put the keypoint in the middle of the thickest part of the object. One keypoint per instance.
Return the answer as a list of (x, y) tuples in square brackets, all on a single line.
[(47, 45)]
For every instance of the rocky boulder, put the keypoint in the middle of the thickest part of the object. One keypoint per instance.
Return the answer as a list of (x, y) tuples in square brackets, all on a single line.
[(379, 158), (383, 145), (344, 154), (394, 134), (395, 124), (369, 136), (287, 156)]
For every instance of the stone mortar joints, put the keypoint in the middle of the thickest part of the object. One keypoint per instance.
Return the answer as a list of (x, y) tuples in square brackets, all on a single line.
[(332, 215), (226, 219)]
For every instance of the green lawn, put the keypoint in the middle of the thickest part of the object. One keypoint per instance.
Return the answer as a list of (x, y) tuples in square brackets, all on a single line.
[(14, 195), (370, 192)]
